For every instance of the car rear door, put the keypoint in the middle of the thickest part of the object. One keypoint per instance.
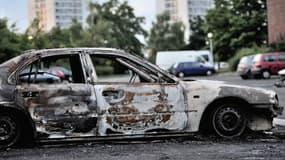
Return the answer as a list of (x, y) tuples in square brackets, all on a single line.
[(64, 108), (131, 103), (271, 63)]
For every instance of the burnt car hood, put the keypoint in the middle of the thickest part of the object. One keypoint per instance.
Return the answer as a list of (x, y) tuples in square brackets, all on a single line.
[(211, 90)]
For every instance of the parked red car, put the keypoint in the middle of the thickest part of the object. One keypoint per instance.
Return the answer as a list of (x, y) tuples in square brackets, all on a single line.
[(267, 64)]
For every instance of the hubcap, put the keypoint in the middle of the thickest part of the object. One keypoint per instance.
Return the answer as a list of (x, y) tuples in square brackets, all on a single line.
[(266, 74), (181, 74), (229, 121), (209, 73), (7, 128), (2, 130)]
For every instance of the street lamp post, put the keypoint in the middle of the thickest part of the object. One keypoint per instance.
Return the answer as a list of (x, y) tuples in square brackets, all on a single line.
[(210, 37)]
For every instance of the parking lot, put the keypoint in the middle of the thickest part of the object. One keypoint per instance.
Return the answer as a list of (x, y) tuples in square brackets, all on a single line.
[(256, 146)]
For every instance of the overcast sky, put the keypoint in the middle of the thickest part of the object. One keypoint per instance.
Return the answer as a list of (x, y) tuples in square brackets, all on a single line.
[(17, 11)]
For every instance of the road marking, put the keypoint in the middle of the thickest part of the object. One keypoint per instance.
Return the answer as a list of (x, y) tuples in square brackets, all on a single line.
[(280, 122)]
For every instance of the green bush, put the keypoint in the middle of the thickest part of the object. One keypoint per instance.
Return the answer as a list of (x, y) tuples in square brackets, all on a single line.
[(233, 62)]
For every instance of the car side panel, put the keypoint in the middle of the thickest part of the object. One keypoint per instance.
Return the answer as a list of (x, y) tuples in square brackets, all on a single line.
[(140, 109), (60, 110)]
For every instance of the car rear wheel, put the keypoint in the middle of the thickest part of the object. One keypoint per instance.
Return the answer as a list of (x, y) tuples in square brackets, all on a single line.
[(244, 77), (180, 74), (209, 73), (228, 121), (265, 74), (9, 130)]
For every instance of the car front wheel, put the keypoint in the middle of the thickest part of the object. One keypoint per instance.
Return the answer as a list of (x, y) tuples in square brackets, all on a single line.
[(9, 130), (209, 73), (180, 74), (244, 77), (228, 121), (265, 74)]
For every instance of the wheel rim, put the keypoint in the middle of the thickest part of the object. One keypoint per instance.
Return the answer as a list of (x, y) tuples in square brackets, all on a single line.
[(229, 122), (265, 74), (181, 74), (209, 73), (8, 130)]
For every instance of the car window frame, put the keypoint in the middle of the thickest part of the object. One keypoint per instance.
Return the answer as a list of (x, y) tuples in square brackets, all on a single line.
[(281, 55), (270, 58), (13, 78), (126, 57)]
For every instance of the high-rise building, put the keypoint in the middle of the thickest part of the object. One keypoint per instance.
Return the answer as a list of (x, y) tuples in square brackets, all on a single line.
[(184, 10), (276, 19), (51, 13)]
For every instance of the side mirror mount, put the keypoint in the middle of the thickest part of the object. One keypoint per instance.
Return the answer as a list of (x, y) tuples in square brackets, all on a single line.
[(160, 78), (88, 80)]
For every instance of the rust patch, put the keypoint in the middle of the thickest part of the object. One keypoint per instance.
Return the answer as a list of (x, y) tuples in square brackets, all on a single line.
[(129, 97), (122, 110), (160, 108), (166, 117)]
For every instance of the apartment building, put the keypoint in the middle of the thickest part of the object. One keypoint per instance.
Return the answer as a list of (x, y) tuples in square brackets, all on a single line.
[(51, 13), (276, 19), (184, 10)]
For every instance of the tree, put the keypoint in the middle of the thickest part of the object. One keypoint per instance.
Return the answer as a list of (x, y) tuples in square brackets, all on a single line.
[(114, 24), (197, 39), (236, 24), (59, 38), (9, 41), (165, 35), (77, 34), (34, 37)]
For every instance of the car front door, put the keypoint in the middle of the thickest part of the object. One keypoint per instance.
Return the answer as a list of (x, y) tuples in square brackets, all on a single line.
[(61, 105), (130, 101)]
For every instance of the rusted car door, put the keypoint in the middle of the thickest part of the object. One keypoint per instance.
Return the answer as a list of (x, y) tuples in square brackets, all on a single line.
[(137, 107), (60, 109)]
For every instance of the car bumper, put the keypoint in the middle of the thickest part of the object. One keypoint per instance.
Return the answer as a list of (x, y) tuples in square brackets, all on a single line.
[(243, 71)]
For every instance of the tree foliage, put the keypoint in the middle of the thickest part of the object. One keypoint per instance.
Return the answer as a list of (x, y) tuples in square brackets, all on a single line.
[(236, 24), (110, 24), (114, 24), (198, 37), (9, 41), (165, 35)]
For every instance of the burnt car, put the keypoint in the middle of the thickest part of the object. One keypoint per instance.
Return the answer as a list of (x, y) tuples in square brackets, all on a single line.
[(146, 102)]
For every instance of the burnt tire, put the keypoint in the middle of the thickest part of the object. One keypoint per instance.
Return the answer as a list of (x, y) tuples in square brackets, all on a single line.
[(228, 121), (9, 131)]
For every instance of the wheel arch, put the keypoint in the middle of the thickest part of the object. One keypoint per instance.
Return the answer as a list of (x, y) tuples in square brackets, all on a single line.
[(204, 121), (25, 120)]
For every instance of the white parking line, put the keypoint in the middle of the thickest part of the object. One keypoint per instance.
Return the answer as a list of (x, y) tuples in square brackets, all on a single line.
[(280, 122)]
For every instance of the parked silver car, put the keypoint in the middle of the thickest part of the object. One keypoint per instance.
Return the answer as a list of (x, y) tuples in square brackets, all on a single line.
[(147, 101), (244, 67)]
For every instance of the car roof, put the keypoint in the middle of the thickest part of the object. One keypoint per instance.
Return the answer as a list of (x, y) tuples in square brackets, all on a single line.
[(44, 52), (268, 53)]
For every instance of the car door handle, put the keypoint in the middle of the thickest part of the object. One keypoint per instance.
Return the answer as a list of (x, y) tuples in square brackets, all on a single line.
[(113, 96), (30, 94)]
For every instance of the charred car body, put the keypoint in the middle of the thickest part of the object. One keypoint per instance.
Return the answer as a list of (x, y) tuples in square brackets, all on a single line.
[(150, 102)]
